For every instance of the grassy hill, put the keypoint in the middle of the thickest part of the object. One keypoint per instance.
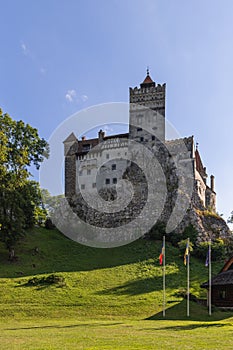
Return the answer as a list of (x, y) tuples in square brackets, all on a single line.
[(117, 282), (104, 299)]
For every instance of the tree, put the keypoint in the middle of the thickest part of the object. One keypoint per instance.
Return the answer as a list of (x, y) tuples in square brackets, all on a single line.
[(20, 147), (50, 203), (230, 219)]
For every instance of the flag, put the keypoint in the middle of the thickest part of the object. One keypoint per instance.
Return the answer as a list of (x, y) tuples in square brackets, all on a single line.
[(207, 257), (161, 256), (186, 254)]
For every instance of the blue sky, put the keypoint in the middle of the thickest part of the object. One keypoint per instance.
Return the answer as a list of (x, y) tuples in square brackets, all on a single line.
[(58, 57)]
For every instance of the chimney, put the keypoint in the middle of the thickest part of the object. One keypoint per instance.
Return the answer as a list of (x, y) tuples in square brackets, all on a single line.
[(83, 138), (212, 182), (101, 135)]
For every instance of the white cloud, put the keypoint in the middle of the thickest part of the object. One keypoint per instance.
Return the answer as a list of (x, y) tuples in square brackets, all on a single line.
[(24, 48), (70, 95), (84, 98), (107, 129)]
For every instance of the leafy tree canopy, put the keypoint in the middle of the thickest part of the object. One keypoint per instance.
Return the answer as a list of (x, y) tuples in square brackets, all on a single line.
[(20, 147)]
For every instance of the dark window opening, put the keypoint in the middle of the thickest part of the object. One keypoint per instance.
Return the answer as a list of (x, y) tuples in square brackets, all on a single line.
[(141, 139), (86, 147), (107, 181), (113, 166), (139, 129), (114, 180), (222, 294), (153, 138)]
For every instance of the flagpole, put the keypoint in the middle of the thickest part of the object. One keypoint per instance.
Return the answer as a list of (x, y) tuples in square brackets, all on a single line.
[(210, 277), (164, 282), (188, 282)]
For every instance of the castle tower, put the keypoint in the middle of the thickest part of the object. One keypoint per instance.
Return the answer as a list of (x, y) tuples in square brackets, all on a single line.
[(70, 147), (147, 111)]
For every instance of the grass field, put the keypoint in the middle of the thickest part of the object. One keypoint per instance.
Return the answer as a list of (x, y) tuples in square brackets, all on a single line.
[(109, 299)]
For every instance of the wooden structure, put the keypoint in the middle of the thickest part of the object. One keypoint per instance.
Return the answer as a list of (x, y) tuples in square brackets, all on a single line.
[(222, 286)]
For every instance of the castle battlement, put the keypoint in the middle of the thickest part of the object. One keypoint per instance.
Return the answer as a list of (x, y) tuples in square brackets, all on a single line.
[(145, 90)]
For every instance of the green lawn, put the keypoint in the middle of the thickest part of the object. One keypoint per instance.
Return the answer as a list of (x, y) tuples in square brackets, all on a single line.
[(111, 298), (116, 334)]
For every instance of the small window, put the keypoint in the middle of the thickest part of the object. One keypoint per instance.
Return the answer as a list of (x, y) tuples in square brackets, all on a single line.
[(80, 173), (141, 139), (113, 166), (107, 156), (88, 171), (107, 181), (86, 147), (139, 129), (152, 137), (94, 185), (82, 187), (114, 180), (222, 294)]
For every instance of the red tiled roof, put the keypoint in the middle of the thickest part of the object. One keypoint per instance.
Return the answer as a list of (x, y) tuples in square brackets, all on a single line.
[(199, 165), (147, 80)]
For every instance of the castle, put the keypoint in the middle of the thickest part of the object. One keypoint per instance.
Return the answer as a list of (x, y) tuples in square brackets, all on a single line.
[(96, 167), (83, 158)]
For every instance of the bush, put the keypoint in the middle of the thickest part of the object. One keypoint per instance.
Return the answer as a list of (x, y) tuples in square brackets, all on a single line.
[(182, 245), (218, 250), (47, 280), (157, 231), (49, 224), (189, 232), (201, 250)]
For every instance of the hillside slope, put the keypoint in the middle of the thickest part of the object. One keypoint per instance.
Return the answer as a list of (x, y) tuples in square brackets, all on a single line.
[(117, 282)]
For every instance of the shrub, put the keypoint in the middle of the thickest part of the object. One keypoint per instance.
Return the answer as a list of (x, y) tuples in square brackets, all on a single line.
[(218, 250), (47, 280), (49, 224), (189, 232), (182, 245), (157, 231)]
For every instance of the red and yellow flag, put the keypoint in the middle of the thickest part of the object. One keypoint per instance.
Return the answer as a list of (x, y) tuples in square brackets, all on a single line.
[(161, 256)]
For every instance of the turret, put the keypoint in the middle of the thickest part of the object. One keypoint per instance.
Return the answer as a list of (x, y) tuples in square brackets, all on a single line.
[(147, 111)]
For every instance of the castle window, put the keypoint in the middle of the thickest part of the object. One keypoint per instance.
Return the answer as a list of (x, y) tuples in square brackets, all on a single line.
[(80, 173), (139, 118), (82, 187), (113, 166), (107, 181), (88, 171), (114, 180), (94, 185), (141, 139), (152, 137), (86, 147), (139, 129), (107, 156)]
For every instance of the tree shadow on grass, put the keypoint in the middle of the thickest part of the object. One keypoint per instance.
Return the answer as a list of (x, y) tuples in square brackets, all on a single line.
[(190, 327), (97, 324), (139, 286), (198, 312), (67, 256)]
